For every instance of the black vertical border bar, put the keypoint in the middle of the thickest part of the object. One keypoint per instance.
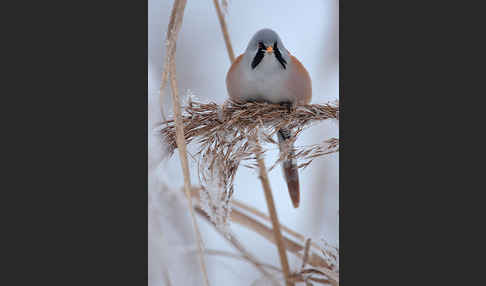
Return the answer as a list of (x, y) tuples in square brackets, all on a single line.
[(77, 179), (398, 197)]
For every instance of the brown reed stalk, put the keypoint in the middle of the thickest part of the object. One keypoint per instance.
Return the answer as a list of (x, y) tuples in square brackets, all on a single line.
[(296, 277), (170, 45), (263, 176), (173, 31), (261, 215), (224, 29), (306, 253)]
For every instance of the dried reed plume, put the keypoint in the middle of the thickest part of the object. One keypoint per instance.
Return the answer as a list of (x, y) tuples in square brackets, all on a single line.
[(227, 135), (212, 123)]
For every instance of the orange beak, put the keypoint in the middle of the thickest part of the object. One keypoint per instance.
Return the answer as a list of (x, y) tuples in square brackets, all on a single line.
[(269, 49)]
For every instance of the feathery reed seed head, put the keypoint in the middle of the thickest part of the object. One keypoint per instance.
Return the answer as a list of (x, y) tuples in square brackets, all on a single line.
[(226, 136)]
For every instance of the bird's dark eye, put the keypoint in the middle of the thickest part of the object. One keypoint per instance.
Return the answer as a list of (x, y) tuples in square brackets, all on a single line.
[(278, 55), (261, 46)]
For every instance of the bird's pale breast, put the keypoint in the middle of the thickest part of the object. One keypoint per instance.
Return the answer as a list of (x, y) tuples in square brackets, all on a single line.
[(269, 82)]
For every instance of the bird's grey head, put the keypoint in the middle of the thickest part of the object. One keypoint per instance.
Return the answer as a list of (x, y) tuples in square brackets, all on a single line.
[(267, 43)]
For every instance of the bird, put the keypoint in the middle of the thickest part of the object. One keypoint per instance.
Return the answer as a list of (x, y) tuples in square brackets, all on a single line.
[(267, 72)]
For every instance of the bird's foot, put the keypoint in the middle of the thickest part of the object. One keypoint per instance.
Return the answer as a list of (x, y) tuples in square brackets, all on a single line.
[(289, 105)]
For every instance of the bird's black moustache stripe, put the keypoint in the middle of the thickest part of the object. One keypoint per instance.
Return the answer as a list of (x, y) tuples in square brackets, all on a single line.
[(259, 55), (280, 59)]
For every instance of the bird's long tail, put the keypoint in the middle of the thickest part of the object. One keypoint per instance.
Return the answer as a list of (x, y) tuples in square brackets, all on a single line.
[(289, 166)]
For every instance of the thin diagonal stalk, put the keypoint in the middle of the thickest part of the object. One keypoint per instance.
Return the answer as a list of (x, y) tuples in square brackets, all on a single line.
[(224, 29), (170, 44), (291, 246), (173, 31), (235, 242), (306, 254), (263, 175), (259, 214)]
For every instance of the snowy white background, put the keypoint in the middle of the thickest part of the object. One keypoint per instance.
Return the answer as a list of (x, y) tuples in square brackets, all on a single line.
[(310, 31)]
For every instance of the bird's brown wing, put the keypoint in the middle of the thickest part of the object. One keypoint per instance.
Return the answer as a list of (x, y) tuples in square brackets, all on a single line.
[(300, 82), (232, 79)]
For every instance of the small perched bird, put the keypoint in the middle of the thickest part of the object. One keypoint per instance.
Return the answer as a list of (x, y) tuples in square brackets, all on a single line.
[(268, 72)]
